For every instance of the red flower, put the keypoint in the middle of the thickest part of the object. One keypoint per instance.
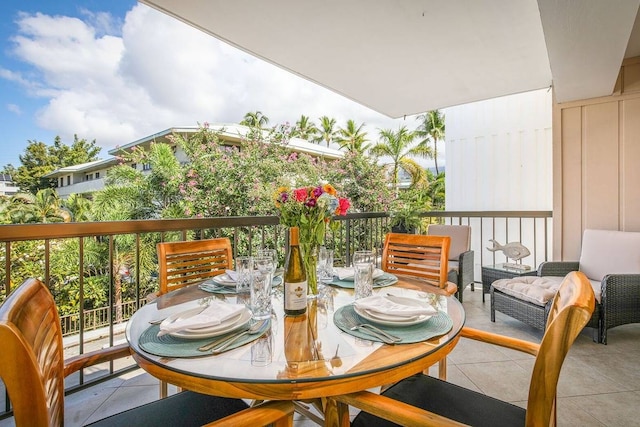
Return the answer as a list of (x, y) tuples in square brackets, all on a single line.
[(300, 194), (343, 206)]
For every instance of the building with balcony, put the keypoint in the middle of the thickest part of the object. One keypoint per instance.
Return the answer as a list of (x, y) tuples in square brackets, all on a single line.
[(89, 177), (7, 187)]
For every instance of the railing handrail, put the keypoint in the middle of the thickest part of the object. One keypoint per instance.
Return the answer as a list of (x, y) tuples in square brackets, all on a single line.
[(13, 232)]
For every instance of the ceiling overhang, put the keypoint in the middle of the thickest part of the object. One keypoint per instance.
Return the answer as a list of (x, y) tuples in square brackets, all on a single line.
[(407, 57)]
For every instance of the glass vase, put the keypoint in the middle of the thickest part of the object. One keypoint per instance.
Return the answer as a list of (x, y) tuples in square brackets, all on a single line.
[(310, 260)]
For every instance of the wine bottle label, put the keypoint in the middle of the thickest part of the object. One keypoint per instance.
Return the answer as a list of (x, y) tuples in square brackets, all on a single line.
[(295, 295)]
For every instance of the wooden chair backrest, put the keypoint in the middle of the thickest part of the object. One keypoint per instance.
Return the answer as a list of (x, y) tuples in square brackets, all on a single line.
[(187, 263), (571, 309), (417, 255), (32, 358)]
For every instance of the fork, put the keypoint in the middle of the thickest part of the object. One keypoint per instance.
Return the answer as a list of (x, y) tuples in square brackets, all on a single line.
[(354, 324)]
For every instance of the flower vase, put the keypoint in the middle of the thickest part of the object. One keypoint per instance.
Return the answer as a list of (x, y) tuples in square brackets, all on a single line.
[(310, 261)]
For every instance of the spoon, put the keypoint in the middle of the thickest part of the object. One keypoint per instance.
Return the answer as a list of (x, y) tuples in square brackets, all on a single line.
[(220, 346)]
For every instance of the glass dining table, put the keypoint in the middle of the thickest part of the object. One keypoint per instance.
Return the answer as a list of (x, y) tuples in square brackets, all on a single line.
[(306, 358)]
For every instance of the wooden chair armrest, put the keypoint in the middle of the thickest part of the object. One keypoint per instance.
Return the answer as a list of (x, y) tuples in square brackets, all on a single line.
[(81, 361), (501, 340), (394, 410), (278, 413)]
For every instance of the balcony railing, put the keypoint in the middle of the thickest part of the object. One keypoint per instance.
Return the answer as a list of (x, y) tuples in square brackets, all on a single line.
[(129, 264)]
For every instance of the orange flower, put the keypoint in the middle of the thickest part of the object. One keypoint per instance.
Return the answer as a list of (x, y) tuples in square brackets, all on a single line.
[(328, 188)]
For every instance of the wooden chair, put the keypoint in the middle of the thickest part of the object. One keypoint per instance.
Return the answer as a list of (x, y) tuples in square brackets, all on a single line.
[(460, 254), (187, 263), (420, 256), (423, 400), (33, 369), (423, 257)]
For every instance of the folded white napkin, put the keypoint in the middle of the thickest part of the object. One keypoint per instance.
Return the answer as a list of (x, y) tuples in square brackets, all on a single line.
[(233, 275), (214, 314), (347, 272), (382, 304)]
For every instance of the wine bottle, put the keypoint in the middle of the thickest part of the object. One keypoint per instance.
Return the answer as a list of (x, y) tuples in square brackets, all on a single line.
[(295, 278)]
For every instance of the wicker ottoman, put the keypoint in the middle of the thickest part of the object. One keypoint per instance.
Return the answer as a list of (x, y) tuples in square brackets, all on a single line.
[(491, 273), (526, 298)]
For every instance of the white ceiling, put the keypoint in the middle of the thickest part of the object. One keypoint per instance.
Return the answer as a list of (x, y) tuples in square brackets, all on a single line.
[(407, 57)]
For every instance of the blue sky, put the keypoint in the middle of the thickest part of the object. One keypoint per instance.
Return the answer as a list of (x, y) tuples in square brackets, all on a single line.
[(116, 71)]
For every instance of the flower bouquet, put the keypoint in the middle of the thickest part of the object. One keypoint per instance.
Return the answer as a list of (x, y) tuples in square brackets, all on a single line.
[(310, 209)]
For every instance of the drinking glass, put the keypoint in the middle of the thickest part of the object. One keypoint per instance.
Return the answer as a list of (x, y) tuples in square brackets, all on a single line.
[(363, 273), (262, 350), (261, 288), (273, 254), (244, 271), (325, 264)]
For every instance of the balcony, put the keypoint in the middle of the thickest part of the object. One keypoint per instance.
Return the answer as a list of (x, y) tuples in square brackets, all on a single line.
[(611, 380)]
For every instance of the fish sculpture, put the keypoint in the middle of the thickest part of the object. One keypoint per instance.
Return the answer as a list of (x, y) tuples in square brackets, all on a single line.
[(513, 250)]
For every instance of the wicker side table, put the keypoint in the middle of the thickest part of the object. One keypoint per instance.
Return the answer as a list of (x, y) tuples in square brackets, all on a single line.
[(491, 273)]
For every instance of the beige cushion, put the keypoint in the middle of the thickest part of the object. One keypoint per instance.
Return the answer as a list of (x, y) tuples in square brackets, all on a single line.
[(536, 290), (609, 252), (460, 237)]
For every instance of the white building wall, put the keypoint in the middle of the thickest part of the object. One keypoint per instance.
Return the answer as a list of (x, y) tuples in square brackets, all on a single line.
[(498, 156)]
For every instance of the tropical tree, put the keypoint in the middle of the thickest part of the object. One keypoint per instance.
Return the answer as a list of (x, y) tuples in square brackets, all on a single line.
[(141, 195), (431, 130), (352, 137), (79, 207), (328, 131), (43, 207), (255, 119), (398, 145), (305, 129), (39, 159)]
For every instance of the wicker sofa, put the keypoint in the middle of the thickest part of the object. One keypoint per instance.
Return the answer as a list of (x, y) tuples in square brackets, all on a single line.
[(611, 261)]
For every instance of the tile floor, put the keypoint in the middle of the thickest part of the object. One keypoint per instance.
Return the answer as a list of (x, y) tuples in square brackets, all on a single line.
[(599, 385)]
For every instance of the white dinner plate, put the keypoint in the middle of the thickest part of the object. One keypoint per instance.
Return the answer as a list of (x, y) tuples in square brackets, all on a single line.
[(390, 320), (348, 274), (210, 331), (223, 279), (226, 281)]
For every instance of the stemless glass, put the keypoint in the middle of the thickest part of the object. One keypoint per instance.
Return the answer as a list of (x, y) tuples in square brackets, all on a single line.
[(363, 273), (273, 254), (325, 265), (261, 287), (244, 270)]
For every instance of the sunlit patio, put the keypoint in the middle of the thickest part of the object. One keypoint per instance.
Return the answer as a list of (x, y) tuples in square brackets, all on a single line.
[(599, 385)]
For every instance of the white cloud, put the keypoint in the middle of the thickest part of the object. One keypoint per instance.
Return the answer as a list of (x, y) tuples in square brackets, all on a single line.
[(159, 73), (14, 109)]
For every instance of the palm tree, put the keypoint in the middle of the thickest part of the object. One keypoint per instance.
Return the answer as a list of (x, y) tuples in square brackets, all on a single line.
[(44, 207), (327, 130), (255, 119), (352, 137), (431, 129), (79, 207), (398, 146), (305, 129)]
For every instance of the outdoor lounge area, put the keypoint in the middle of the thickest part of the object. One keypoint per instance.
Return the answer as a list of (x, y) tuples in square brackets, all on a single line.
[(599, 385)]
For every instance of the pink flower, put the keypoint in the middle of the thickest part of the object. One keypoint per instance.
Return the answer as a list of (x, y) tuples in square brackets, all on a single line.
[(300, 194)]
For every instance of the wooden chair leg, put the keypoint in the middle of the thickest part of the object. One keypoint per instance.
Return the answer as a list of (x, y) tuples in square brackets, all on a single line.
[(442, 369), (164, 389)]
